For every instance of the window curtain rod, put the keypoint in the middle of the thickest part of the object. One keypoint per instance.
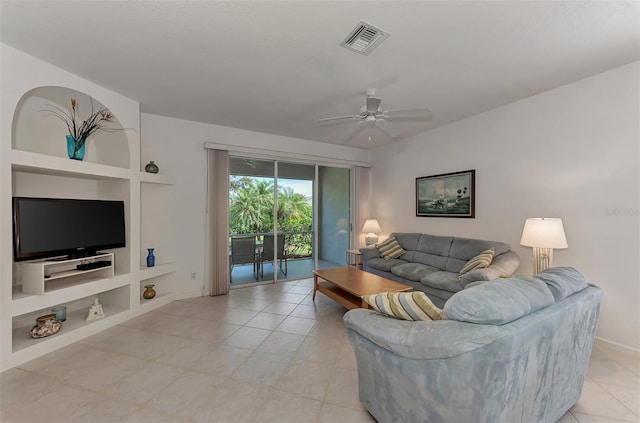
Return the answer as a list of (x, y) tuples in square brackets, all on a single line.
[(280, 155)]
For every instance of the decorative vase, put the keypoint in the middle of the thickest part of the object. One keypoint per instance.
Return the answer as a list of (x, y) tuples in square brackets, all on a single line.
[(149, 292), (151, 259), (151, 167), (75, 148), (60, 312)]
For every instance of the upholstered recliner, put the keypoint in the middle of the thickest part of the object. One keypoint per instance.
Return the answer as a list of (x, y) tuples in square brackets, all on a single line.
[(511, 350)]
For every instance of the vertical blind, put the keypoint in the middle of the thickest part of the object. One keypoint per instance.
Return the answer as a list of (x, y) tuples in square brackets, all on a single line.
[(218, 206)]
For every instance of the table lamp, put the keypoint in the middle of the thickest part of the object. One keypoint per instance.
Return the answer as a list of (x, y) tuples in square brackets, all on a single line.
[(371, 228), (543, 234)]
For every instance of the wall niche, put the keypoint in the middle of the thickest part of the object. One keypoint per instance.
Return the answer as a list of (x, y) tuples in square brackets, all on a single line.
[(35, 129)]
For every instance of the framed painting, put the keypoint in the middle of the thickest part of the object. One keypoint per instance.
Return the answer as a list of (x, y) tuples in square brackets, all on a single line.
[(446, 195)]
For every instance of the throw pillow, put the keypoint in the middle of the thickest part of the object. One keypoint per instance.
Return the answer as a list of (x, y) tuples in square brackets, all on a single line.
[(390, 249), (480, 261), (404, 305)]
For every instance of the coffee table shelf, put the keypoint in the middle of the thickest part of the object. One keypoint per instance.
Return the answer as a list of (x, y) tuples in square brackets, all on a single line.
[(348, 285), (343, 298)]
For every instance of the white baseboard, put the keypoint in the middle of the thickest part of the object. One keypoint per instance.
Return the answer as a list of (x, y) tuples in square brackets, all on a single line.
[(612, 344), (188, 294)]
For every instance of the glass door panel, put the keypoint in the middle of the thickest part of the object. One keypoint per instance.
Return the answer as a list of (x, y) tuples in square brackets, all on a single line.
[(334, 223), (251, 210), (295, 185)]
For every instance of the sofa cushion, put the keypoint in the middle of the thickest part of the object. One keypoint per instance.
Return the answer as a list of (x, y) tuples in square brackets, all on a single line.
[(480, 261), (463, 249), (433, 260), (408, 240), (384, 265), (446, 281), (413, 271), (499, 302), (563, 281), (404, 305), (434, 244), (390, 249)]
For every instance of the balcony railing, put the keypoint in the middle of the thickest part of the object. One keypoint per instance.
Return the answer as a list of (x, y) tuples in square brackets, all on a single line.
[(297, 244)]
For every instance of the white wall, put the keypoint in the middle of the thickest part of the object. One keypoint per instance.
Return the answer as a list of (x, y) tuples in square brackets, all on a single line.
[(177, 147), (572, 153)]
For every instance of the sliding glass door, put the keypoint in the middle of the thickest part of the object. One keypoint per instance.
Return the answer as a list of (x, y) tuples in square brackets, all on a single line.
[(294, 217)]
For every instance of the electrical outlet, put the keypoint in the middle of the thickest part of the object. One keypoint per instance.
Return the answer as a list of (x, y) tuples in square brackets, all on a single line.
[(193, 275)]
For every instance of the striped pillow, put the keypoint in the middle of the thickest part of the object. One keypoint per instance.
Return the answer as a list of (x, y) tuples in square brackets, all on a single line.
[(390, 249), (480, 261), (404, 305)]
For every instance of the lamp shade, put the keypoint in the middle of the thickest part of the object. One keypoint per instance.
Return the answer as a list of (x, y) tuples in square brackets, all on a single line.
[(543, 232), (371, 226)]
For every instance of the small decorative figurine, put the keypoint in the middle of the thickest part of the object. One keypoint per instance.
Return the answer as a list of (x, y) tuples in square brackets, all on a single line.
[(95, 311)]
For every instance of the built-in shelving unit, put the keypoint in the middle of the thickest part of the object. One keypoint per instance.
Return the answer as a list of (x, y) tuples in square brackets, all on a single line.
[(34, 164), (115, 303)]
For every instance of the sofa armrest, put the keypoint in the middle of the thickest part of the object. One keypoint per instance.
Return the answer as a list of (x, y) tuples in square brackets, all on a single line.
[(502, 266), (368, 253), (421, 340)]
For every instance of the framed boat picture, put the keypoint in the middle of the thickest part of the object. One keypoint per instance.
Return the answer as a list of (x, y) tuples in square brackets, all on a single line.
[(446, 195)]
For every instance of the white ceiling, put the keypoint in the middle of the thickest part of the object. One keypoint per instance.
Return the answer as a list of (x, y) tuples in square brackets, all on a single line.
[(276, 67)]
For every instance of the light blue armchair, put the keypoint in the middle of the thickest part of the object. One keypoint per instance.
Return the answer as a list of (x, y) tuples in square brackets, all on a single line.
[(512, 350)]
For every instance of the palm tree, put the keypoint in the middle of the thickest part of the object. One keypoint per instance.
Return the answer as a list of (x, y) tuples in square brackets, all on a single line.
[(292, 205), (251, 206), (251, 211)]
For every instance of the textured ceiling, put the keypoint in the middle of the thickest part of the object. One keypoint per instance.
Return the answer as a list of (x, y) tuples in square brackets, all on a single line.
[(276, 67)]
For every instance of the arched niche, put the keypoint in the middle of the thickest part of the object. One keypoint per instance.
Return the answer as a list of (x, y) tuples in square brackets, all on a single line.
[(37, 130)]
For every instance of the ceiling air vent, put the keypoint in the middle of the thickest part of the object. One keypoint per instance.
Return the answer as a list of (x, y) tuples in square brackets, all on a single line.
[(364, 38)]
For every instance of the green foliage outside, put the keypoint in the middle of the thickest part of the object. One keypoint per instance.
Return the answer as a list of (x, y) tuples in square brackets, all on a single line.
[(251, 211)]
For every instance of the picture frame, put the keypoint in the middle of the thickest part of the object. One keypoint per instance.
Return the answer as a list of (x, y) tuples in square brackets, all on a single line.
[(447, 195)]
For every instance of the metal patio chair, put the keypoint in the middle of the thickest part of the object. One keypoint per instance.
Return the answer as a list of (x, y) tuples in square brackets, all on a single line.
[(243, 251), (267, 253)]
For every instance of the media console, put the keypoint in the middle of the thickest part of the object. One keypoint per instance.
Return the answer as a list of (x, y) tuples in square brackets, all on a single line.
[(37, 277)]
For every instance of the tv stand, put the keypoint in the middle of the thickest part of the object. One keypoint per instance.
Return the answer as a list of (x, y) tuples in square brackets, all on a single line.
[(83, 254), (64, 272)]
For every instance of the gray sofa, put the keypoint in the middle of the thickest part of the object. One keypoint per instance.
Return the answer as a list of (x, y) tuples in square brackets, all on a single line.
[(511, 350), (431, 263)]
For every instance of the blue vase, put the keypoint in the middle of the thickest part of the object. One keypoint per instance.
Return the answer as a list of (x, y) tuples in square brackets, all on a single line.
[(75, 148), (151, 259)]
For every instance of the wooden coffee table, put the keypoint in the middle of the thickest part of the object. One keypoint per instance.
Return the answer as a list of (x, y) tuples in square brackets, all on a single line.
[(347, 285)]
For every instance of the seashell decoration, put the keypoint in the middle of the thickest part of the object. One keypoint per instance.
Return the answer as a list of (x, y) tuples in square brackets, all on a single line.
[(46, 325)]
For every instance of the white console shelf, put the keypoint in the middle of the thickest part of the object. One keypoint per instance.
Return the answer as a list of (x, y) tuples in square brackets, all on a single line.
[(26, 161), (38, 277), (157, 270), (154, 178), (75, 320)]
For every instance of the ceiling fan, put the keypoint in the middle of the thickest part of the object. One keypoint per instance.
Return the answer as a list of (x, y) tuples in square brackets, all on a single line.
[(373, 114)]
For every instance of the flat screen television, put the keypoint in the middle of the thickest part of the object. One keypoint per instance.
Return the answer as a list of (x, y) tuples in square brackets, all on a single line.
[(54, 227)]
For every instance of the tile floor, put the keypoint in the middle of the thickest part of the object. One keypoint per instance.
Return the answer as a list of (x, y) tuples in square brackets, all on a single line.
[(259, 354)]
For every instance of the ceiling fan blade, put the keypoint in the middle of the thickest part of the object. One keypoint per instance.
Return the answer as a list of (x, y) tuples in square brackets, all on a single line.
[(352, 117), (373, 103), (387, 128), (419, 113), (357, 128)]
